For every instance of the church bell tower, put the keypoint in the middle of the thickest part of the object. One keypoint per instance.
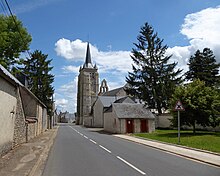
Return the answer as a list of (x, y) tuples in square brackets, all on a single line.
[(88, 85)]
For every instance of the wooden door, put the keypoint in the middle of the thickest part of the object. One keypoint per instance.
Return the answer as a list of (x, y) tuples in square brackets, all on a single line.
[(130, 126), (144, 125)]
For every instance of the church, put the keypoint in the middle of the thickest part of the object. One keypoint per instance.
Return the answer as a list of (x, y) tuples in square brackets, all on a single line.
[(112, 110)]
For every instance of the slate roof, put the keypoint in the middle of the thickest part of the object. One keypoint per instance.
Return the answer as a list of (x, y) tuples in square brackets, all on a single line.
[(88, 61), (124, 99), (9, 76), (107, 100), (113, 92), (131, 111)]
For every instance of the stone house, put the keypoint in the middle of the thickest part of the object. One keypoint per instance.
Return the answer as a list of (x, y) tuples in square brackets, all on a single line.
[(100, 105), (22, 115), (128, 118)]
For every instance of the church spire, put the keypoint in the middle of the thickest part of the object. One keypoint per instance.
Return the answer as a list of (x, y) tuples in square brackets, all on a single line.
[(88, 62)]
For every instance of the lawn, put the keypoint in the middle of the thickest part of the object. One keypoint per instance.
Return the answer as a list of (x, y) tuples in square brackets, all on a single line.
[(202, 139)]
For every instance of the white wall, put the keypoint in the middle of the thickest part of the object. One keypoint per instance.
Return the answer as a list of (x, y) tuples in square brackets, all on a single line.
[(98, 116), (109, 122), (8, 102), (151, 125), (162, 121)]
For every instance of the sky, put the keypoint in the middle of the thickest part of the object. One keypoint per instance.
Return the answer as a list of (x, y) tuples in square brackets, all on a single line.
[(62, 28)]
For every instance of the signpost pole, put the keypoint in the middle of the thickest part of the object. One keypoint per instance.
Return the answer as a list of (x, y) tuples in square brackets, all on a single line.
[(178, 127)]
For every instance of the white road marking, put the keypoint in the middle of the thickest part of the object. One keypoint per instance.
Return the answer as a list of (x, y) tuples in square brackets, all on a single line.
[(143, 173), (93, 141), (85, 137), (105, 149)]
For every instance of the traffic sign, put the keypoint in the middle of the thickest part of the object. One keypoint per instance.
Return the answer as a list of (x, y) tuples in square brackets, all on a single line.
[(179, 106)]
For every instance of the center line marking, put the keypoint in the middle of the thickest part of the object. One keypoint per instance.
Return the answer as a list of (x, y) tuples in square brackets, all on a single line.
[(93, 141), (143, 173), (105, 149), (85, 137)]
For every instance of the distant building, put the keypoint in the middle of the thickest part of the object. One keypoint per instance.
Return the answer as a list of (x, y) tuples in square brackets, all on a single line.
[(103, 109), (88, 87)]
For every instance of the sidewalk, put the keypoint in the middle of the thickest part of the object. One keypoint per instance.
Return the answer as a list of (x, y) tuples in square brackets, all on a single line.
[(199, 155), (28, 158)]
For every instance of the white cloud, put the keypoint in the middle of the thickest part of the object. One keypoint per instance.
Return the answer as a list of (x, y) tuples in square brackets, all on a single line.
[(70, 69), (119, 61), (202, 30), (66, 96)]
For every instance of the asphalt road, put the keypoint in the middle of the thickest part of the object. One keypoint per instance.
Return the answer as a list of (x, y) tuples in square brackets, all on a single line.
[(79, 151)]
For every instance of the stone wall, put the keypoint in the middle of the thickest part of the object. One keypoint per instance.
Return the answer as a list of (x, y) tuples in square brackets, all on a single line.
[(31, 130), (98, 114), (162, 121), (20, 126)]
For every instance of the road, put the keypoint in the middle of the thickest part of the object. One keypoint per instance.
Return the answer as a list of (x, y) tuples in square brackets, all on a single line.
[(79, 151)]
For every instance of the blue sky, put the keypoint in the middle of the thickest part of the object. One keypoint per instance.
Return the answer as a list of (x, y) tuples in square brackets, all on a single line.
[(61, 28)]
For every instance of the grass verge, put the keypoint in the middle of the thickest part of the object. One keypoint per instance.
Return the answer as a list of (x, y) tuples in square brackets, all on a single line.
[(201, 140)]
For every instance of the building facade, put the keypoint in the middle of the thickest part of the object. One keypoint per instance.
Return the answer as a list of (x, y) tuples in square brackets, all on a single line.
[(88, 87)]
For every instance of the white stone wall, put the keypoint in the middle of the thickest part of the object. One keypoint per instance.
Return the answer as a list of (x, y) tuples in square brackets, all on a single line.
[(162, 121), (151, 125), (98, 114), (40, 119), (44, 121), (122, 129), (8, 102), (110, 124)]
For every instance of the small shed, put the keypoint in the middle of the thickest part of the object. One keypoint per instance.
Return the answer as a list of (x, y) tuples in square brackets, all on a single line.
[(128, 118)]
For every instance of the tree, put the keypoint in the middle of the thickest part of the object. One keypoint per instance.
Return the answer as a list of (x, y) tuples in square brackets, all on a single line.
[(14, 39), (37, 68), (153, 79), (201, 103), (203, 66)]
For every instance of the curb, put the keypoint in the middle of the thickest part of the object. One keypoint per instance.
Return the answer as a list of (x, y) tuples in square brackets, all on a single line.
[(180, 146), (172, 152), (40, 159)]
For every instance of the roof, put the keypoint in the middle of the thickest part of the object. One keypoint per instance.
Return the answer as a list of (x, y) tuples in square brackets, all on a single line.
[(9, 76), (124, 100), (113, 92), (106, 100), (133, 111), (88, 61)]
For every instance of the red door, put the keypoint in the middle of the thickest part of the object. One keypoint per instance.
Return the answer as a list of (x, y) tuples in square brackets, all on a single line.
[(144, 125), (129, 126)]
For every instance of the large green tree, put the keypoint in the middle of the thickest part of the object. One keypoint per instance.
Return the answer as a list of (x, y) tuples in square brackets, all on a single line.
[(14, 39), (38, 70), (201, 103), (203, 66), (153, 79)]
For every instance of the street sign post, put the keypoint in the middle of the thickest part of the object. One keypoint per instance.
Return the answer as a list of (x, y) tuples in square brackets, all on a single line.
[(179, 107)]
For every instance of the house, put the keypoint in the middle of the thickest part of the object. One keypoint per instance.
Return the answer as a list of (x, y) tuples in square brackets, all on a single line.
[(128, 118), (100, 105), (23, 116)]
